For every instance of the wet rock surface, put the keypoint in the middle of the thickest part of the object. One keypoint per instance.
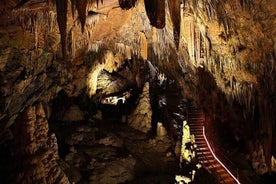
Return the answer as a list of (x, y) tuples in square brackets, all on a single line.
[(105, 152)]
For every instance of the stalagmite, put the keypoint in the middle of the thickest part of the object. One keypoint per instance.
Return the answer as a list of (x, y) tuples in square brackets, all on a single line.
[(161, 130), (111, 44), (140, 118), (36, 149)]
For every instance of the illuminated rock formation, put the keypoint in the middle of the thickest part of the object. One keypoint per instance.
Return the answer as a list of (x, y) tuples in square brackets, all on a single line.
[(221, 54), (140, 118)]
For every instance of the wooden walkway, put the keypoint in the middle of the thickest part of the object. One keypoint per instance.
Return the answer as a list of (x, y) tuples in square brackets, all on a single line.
[(204, 151)]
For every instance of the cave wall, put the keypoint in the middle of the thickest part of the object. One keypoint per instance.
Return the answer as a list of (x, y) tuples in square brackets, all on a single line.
[(236, 70), (222, 54), (35, 149)]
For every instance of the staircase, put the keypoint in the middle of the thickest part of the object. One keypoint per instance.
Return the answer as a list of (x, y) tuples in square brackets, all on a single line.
[(204, 152)]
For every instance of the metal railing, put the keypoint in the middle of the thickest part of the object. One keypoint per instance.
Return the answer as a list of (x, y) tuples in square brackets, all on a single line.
[(210, 145), (213, 153), (211, 167), (230, 165)]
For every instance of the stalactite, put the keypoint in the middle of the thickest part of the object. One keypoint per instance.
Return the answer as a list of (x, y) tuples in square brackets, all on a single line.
[(127, 4), (174, 8), (73, 7), (71, 42), (164, 40), (52, 20), (155, 10), (98, 2), (209, 8), (94, 3), (92, 18), (36, 32), (96, 46), (81, 7), (246, 4), (51, 2), (223, 20), (61, 7)]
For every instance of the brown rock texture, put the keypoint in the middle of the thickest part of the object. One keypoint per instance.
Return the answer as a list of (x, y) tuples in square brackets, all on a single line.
[(225, 61), (35, 149), (140, 118)]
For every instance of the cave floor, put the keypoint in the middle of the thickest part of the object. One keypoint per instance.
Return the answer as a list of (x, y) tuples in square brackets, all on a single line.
[(112, 152)]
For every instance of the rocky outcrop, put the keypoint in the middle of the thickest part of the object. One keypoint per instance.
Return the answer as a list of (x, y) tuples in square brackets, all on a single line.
[(27, 73), (35, 149), (140, 118), (98, 154), (109, 84), (258, 161)]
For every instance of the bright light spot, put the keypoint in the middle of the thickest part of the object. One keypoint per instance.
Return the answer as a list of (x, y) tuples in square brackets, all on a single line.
[(181, 179), (93, 78), (113, 100), (187, 152)]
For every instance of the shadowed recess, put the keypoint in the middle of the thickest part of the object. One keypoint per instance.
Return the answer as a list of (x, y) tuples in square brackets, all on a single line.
[(156, 12), (127, 4)]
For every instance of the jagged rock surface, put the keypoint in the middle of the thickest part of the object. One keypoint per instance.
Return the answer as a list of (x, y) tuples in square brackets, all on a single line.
[(233, 41), (35, 149), (140, 118)]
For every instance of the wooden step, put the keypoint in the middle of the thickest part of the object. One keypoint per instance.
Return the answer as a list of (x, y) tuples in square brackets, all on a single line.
[(216, 165), (202, 148), (205, 157), (207, 161), (229, 180), (196, 119)]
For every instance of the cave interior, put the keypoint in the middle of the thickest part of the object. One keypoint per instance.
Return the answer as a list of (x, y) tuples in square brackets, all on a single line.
[(105, 91)]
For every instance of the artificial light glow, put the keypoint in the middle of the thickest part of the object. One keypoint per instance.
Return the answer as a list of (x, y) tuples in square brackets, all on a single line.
[(113, 100), (93, 78), (187, 153), (217, 158)]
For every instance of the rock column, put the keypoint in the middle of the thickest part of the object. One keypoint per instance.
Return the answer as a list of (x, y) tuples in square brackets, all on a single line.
[(35, 149), (140, 119)]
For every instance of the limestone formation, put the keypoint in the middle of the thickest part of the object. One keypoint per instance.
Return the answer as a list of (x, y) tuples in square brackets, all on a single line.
[(221, 54), (35, 149), (161, 130), (140, 118)]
